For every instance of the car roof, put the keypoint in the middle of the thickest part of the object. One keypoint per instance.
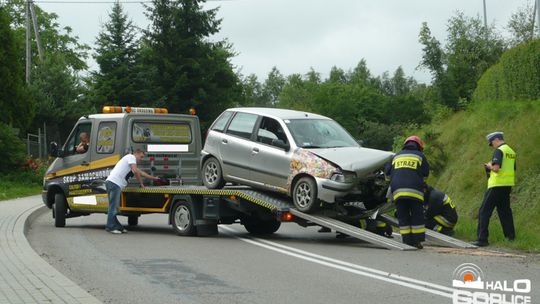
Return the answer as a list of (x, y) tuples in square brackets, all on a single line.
[(279, 113)]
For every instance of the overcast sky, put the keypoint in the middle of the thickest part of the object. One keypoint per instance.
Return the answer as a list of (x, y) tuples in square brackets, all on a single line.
[(295, 35)]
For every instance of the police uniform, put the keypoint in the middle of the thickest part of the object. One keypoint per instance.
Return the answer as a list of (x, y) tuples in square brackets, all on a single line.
[(498, 192), (407, 171), (440, 212)]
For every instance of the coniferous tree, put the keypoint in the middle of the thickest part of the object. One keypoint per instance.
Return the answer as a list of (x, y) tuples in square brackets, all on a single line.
[(188, 69), (117, 81)]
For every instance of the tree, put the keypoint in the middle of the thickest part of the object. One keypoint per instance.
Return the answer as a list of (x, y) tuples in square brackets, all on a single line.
[(252, 95), (272, 87), (17, 106), (59, 92), (54, 39), (117, 81), (471, 49), (521, 25), (190, 70)]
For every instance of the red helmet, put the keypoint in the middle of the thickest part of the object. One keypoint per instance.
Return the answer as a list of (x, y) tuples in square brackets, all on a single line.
[(417, 140)]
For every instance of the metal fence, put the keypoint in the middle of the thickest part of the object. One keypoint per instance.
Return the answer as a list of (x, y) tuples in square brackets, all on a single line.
[(36, 145)]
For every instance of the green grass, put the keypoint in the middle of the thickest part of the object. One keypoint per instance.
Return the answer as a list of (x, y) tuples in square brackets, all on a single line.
[(20, 184), (463, 178)]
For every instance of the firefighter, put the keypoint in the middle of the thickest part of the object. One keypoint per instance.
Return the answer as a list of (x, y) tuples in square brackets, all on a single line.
[(440, 211), (407, 172), (501, 170)]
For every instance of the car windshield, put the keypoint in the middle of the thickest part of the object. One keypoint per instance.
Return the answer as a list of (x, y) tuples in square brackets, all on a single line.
[(319, 133)]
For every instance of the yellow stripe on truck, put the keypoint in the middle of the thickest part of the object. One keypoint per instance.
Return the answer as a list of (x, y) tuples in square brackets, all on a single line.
[(97, 164)]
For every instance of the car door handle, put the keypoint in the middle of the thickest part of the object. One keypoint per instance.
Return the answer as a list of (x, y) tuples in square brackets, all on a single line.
[(224, 141), (85, 164), (255, 150)]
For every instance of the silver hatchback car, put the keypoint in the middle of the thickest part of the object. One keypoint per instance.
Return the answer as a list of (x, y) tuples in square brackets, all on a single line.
[(306, 156)]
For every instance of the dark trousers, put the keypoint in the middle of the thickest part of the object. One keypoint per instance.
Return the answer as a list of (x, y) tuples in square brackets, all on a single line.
[(410, 215), (497, 197)]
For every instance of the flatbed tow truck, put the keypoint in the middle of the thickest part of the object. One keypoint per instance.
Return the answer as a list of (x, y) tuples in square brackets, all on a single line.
[(74, 183)]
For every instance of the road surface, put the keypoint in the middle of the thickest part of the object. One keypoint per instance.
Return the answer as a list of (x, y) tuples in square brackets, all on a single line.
[(150, 264)]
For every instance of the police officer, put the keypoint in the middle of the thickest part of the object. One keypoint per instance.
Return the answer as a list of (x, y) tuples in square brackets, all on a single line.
[(501, 171), (407, 172), (440, 211)]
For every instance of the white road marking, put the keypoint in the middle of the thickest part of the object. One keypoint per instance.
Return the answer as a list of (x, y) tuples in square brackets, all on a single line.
[(432, 288)]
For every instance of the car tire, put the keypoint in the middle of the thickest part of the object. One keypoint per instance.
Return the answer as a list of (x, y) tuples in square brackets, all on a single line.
[(133, 220), (260, 227), (212, 174), (183, 219), (305, 195), (60, 209)]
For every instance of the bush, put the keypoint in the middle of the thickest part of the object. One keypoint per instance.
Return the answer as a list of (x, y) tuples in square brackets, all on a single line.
[(515, 77), (12, 152)]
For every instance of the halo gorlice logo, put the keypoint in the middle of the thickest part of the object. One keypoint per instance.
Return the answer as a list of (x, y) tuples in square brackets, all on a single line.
[(471, 287)]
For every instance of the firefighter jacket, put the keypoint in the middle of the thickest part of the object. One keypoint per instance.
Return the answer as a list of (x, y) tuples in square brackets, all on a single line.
[(407, 172), (440, 208)]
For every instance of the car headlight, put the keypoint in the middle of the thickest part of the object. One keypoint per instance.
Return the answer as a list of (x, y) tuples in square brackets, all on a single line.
[(343, 177)]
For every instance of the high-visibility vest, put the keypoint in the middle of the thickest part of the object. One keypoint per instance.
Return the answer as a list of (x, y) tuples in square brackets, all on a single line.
[(506, 174)]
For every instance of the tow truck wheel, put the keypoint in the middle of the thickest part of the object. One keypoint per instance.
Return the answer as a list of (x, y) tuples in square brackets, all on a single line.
[(305, 195), (262, 227), (59, 208), (212, 174), (183, 219), (133, 220)]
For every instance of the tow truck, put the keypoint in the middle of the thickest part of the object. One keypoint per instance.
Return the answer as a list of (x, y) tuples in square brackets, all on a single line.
[(74, 184)]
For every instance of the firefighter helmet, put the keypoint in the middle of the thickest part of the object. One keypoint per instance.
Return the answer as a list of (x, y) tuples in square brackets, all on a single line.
[(417, 140)]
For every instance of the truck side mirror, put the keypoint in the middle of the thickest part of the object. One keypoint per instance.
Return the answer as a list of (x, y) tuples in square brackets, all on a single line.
[(55, 151)]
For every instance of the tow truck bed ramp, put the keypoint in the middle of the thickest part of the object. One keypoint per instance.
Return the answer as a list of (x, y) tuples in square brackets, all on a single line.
[(433, 236), (352, 231)]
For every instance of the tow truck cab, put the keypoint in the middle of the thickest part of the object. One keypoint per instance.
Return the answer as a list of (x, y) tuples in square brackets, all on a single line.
[(74, 183)]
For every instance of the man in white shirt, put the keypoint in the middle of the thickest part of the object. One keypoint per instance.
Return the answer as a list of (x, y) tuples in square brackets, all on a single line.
[(118, 180)]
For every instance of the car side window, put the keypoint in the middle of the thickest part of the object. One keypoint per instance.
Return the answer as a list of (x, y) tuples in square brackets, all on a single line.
[(221, 122), (242, 125), (269, 131), (81, 131), (106, 137)]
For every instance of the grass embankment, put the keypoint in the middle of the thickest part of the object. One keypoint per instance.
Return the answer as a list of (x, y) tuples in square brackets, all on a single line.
[(462, 136), (20, 184)]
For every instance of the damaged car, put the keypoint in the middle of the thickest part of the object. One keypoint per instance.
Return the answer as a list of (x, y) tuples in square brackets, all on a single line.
[(308, 157)]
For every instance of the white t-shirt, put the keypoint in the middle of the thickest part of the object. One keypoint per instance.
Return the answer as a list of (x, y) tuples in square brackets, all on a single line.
[(121, 170)]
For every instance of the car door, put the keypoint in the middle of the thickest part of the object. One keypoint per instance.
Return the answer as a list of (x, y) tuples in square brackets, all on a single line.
[(271, 159), (236, 145)]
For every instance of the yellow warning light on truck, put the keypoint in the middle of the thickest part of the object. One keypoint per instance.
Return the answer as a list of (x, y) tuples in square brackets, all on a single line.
[(128, 109)]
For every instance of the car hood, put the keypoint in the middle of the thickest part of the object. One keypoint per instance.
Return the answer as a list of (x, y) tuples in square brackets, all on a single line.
[(363, 161)]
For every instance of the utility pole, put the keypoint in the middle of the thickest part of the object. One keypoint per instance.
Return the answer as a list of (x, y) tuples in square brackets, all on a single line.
[(485, 16), (36, 29), (538, 16), (28, 46)]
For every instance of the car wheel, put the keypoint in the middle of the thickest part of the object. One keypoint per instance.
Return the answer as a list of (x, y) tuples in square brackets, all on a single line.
[(183, 220), (212, 174), (305, 195), (133, 220), (60, 209), (262, 227)]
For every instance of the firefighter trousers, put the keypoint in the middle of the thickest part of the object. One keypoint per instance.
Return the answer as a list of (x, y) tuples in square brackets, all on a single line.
[(410, 215)]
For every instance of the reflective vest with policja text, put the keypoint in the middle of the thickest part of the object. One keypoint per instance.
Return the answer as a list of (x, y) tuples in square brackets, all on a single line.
[(506, 174)]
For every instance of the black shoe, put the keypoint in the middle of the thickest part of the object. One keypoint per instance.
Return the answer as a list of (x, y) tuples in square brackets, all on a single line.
[(480, 243), (324, 229), (419, 245), (510, 239)]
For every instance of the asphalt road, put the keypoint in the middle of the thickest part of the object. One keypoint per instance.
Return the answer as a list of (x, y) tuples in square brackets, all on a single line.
[(150, 264)]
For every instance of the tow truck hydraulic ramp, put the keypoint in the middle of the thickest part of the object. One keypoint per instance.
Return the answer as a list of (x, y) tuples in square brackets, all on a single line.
[(352, 231), (433, 236)]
